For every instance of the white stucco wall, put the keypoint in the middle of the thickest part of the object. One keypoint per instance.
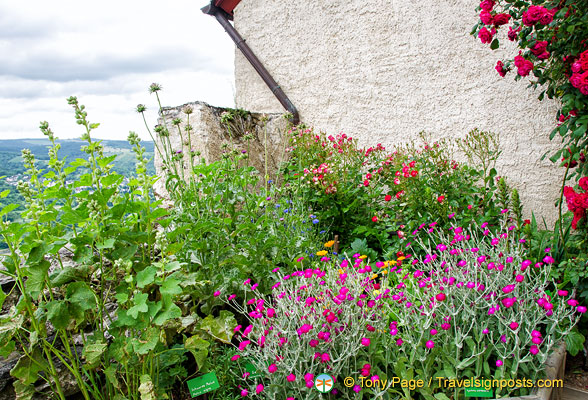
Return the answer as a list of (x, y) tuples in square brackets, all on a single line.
[(382, 71)]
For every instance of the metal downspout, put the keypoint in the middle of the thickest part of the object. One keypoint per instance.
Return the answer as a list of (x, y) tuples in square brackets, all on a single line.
[(221, 17)]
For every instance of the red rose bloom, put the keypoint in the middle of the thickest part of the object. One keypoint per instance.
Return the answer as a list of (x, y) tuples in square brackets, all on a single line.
[(487, 5), (387, 198), (485, 35), (500, 68), (486, 18), (501, 19)]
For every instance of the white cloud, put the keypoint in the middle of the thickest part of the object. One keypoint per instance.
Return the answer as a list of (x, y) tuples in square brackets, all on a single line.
[(107, 54)]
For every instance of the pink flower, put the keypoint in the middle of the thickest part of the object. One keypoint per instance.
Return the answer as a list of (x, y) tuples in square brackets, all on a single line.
[(365, 342), (499, 363), (247, 330), (513, 325), (487, 5), (235, 357), (501, 19), (430, 344), (534, 350), (325, 357), (486, 17), (581, 309), (217, 293), (519, 278), (501, 71), (523, 66), (244, 393), (243, 344), (259, 389), (356, 388), (231, 297), (485, 36), (291, 378), (271, 312)]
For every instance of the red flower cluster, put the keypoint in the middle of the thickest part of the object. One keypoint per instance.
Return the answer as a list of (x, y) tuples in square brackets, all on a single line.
[(500, 68), (538, 14), (579, 78), (523, 66), (577, 202)]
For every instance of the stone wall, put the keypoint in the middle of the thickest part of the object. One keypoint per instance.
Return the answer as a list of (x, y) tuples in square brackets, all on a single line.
[(384, 71), (211, 127)]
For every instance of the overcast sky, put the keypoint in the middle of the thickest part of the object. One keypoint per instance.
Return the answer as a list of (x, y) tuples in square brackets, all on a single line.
[(107, 53)]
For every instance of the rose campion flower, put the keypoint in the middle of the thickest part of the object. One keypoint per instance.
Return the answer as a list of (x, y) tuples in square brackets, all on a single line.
[(430, 344), (513, 325), (499, 363), (259, 389), (365, 342), (291, 378), (244, 393), (272, 368)]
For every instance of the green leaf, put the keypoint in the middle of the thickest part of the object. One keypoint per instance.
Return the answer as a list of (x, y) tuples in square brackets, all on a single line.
[(103, 162), (199, 349), (93, 353), (58, 313), (170, 311), (574, 342), (4, 193), (8, 208), (22, 391), (110, 374), (147, 341), (140, 301), (37, 253), (146, 276), (146, 388), (9, 325), (37, 276), (106, 244), (495, 44), (170, 287), (112, 180), (27, 369), (80, 294), (68, 274), (221, 328)]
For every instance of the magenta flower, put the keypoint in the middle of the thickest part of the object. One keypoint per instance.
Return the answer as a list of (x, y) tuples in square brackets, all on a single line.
[(271, 313), (356, 388), (259, 389), (244, 393), (581, 309), (562, 292), (513, 325), (235, 357), (499, 363), (216, 293), (247, 330), (231, 297), (243, 344), (430, 344), (325, 357), (534, 350), (365, 342), (291, 378)]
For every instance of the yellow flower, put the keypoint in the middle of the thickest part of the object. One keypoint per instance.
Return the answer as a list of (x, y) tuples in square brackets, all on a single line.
[(384, 272), (363, 257), (340, 271), (374, 276), (321, 253), (385, 263), (329, 243), (376, 292), (401, 258), (392, 262)]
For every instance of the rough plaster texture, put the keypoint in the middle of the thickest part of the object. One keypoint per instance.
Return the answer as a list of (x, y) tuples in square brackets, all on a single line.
[(384, 71), (208, 135)]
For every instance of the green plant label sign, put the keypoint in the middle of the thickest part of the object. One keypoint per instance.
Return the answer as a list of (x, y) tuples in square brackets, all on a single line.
[(203, 384), (477, 392), (253, 372)]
